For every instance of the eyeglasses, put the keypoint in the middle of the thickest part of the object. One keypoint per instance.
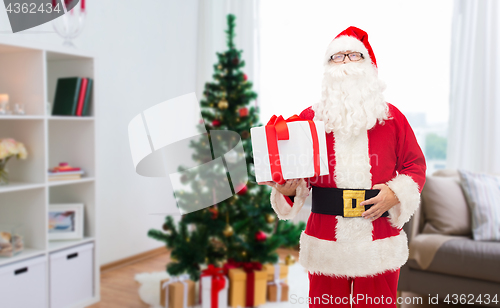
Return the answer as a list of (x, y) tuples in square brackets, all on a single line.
[(353, 56)]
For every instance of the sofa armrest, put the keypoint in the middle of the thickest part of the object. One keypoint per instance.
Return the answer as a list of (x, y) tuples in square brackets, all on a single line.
[(412, 227)]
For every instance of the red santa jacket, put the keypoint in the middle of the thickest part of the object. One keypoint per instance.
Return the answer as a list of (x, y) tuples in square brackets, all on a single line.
[(388, 153)]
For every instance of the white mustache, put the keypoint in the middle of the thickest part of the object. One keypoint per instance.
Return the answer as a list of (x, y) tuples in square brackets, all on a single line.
[(337, 71)]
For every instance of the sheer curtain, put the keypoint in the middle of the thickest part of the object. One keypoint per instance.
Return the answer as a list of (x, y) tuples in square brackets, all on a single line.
[(474, 126), (212, 23)]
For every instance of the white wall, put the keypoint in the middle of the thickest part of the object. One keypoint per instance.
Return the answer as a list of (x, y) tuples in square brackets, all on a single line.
[(146, 54)]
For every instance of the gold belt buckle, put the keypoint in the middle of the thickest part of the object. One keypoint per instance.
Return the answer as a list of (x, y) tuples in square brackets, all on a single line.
[(352, 199)]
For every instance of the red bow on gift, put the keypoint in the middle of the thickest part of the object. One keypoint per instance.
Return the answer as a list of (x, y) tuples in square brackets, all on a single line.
[(277, 129), (218, 283), (249, 268)]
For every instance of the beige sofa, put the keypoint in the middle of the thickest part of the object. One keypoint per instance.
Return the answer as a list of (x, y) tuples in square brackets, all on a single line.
[(444, 259)]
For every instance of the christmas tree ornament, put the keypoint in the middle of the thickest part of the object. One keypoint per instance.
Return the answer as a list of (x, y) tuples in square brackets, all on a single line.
[(216, 123), (223, 104), (243, 253), (242, 189), (165, 227), (215, 212), (245, 134), (231, 157), (243, 112), (219, 67), (188, 239), (236, 61), (270, 218), (245, 77), (228, 231), (260, 236), (184, 178), (289, 260)]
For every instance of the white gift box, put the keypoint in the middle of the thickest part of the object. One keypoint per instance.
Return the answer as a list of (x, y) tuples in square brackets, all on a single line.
[(206, 293), (295, 154)]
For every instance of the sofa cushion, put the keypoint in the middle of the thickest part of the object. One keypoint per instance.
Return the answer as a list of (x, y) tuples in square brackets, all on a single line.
[(466, 258), (482, 192), (445, 208)]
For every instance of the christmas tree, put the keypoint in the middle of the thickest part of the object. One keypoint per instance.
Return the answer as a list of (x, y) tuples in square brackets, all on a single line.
[(244, 227)]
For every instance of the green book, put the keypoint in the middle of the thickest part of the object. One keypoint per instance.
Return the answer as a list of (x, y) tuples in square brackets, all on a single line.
[(86, 108), (66, 96)]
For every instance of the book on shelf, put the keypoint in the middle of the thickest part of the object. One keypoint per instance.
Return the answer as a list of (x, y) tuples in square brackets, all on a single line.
[(67, 177), (65, 173), (86, 105), (81, 98), (72, 96)]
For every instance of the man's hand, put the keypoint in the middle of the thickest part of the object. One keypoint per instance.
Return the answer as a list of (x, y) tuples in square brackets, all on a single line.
[(382, 202), (287, 189)]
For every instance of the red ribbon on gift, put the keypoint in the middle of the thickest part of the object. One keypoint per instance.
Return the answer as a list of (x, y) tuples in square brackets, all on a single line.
[(218, 283), (249, 268), (277, 129)]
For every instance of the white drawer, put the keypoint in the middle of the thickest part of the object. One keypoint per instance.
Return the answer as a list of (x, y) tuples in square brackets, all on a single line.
[(71, 276), (24, 284)]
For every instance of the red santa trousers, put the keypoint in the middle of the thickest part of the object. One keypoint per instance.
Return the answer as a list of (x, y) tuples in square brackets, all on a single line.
[(375, 291)]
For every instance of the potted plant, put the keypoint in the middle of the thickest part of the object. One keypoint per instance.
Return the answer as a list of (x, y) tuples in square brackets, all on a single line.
[(9, 148)]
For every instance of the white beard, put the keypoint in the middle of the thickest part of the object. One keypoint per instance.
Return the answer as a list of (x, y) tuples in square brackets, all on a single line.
[(351, 99)]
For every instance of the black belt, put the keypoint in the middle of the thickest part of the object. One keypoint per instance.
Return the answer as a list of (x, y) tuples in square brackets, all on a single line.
[(342, 202)]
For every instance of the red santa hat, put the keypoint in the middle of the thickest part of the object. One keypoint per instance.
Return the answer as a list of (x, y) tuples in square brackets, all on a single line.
[(353, 39)]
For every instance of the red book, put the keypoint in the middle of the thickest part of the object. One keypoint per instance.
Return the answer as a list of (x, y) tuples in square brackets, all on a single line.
[(81, 97), (64, 170)]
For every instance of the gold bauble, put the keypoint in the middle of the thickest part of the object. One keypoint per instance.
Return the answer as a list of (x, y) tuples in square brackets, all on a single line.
[(270, 218), (223, 104), (244, 253), (289, 260), (228, 231), (188, 239), (219, 66)]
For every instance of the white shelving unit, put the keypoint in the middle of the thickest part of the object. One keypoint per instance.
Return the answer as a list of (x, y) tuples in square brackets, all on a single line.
[(29, 73)]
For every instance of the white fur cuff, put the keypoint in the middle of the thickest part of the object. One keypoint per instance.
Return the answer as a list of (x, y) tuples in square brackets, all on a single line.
[(281, 206), (407, 191)]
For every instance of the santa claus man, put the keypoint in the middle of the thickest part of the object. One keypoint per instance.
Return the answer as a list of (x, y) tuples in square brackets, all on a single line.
[(354, 245)]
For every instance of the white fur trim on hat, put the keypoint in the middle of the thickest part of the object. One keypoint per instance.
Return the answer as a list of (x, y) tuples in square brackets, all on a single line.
[(407, 191), (283, 210), (352, 258), (344, 43)]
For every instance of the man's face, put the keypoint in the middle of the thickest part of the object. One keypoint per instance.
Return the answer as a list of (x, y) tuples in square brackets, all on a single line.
[(347, 56)]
